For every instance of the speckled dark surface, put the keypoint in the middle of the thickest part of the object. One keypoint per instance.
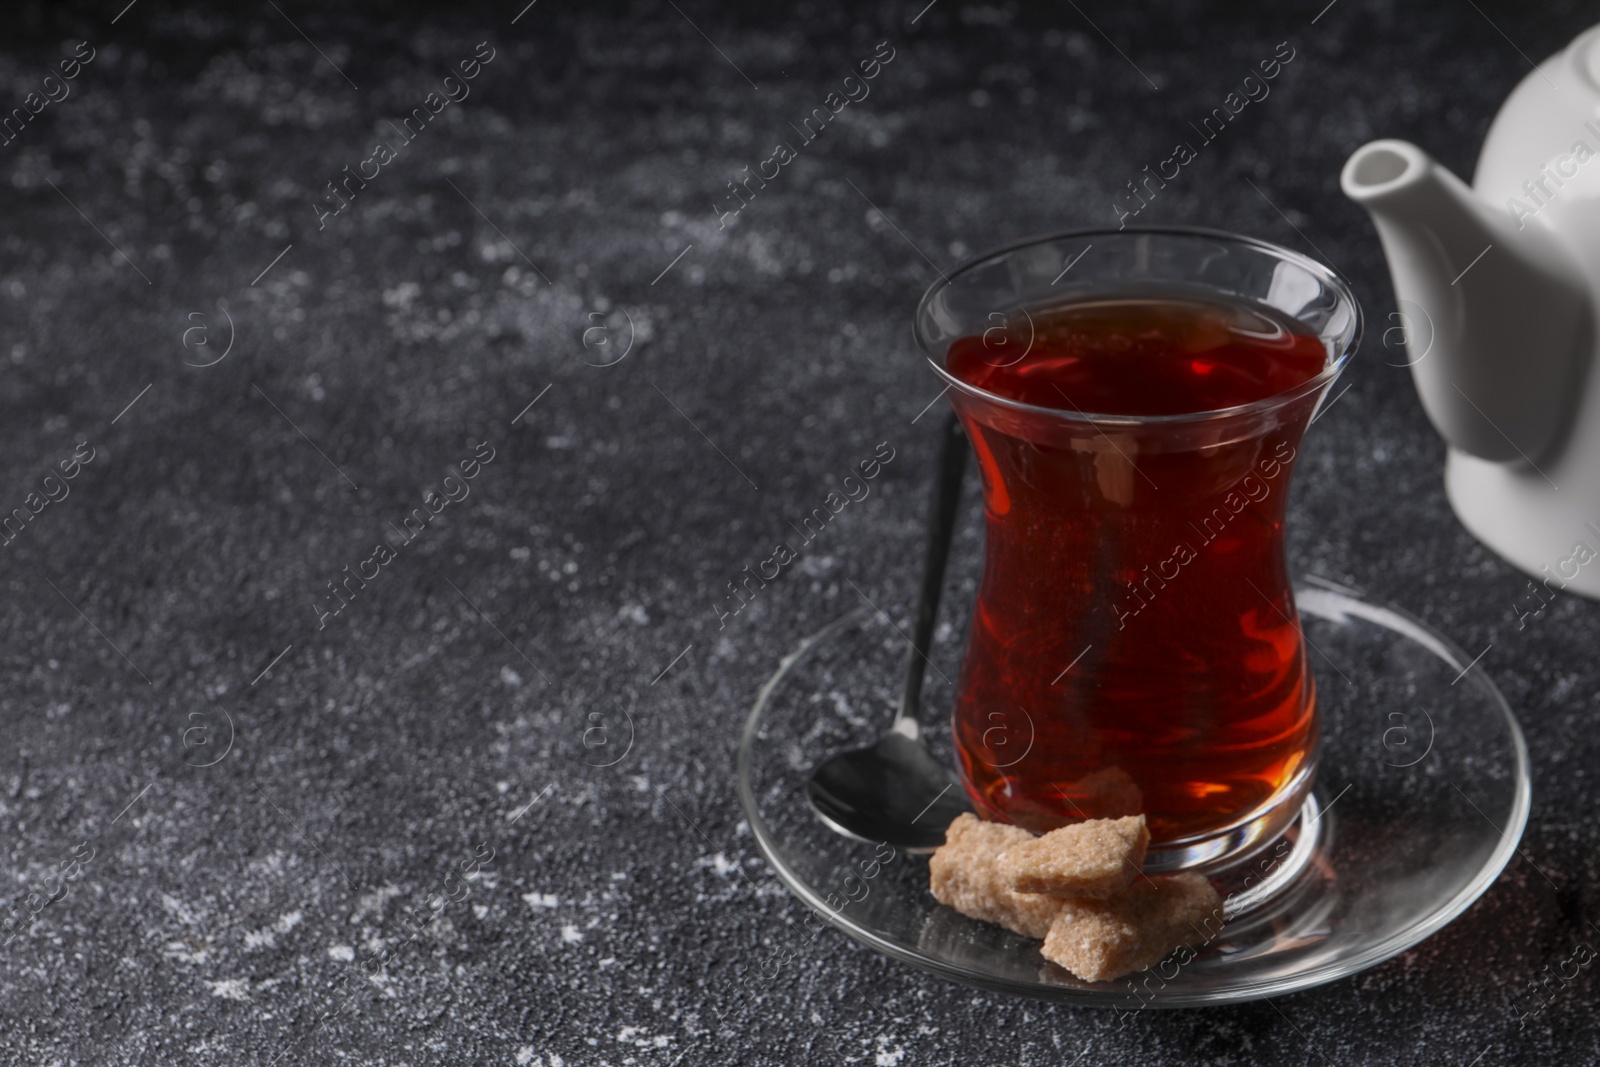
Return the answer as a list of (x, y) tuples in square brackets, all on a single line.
[(227, 910)]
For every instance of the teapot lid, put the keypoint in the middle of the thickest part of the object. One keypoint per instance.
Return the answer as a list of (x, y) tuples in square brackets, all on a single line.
[(1584, 56), (1536, 128)]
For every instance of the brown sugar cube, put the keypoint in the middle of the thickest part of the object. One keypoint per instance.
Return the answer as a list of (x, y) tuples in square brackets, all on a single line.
[(1099, 940), (965, 874), (1095, 859), (1108, 793)]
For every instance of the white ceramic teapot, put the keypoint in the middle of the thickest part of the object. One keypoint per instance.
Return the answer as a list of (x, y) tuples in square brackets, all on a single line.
[(1498, 288)]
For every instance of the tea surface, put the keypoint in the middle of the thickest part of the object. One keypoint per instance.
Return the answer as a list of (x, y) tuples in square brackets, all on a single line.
[(1166, 355)]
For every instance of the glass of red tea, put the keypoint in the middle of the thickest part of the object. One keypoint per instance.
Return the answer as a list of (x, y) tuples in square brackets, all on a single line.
[(1135, 401)]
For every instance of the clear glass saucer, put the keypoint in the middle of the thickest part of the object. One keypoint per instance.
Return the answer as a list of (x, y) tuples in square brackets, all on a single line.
[(1421, 798)]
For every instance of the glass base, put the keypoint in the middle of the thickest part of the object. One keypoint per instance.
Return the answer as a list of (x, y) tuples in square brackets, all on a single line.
[(1217, 854), (1421, 798)]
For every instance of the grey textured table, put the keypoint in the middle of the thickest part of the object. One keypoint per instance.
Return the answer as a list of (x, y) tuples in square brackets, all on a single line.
[(236, 810)]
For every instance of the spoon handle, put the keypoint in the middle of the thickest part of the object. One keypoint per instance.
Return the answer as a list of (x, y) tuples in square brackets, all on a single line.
[(941, 528)]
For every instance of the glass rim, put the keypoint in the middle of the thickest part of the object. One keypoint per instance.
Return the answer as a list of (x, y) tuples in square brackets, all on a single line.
[(1330, 277)]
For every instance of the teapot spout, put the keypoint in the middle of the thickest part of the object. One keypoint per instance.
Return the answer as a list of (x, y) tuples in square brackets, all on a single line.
[(1496, 314)]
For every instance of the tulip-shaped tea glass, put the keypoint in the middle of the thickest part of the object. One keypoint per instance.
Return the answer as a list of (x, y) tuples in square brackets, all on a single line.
[(1135, 401)]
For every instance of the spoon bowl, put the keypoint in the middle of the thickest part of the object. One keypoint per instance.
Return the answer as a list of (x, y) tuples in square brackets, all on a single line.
[(894, 792)]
